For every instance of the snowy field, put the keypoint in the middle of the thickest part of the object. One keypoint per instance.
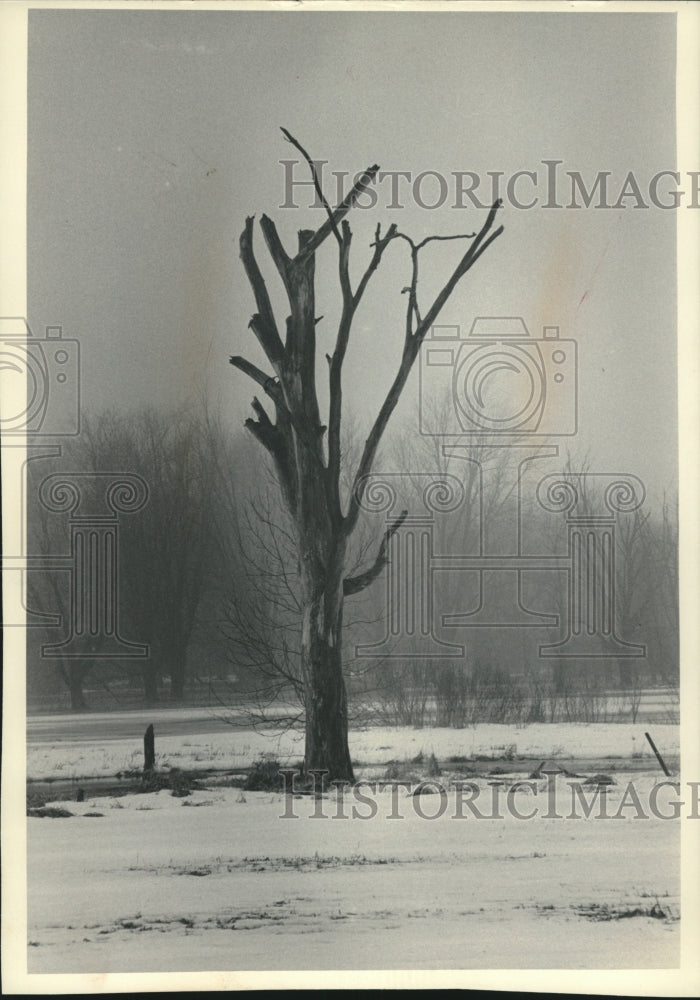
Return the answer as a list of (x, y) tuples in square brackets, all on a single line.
[(223, 880), (235, 748), (219, 881)]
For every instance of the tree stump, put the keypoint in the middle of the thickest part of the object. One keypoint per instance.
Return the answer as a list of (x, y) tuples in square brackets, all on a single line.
[(149, 750)]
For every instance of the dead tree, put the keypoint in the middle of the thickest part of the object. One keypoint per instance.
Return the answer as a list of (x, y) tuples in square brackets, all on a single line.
[(306, 452)]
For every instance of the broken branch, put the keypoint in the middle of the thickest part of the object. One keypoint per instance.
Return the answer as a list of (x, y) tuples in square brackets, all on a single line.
[(338, 213), (265, 328), (317, 182), (268, 382), (354, 584)]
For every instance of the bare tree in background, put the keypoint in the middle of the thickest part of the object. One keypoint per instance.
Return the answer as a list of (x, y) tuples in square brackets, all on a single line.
[(420, 690), (48, 594), (167, 547), (645, 598), (306, 452), (664, 604), (260, 611)]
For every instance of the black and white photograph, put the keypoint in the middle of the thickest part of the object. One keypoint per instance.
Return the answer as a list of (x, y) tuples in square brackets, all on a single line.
[(349, 424)]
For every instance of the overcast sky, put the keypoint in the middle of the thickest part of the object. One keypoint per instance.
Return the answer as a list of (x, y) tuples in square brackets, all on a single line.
[(153, 134)]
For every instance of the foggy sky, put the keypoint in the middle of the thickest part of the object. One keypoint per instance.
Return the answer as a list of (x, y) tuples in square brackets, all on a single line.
[(152, 135)]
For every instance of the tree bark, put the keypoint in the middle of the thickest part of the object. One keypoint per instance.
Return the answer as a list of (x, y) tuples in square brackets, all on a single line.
[(149, 750), (326, 700), (325, 695)]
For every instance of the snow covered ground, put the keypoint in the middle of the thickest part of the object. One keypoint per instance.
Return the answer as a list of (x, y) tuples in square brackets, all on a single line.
[(236, 748), (222, 880)]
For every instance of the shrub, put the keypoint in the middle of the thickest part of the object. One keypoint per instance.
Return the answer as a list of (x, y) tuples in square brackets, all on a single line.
[(154, 781), (264, 776), (400, 771), (180, 783), (433, 767)]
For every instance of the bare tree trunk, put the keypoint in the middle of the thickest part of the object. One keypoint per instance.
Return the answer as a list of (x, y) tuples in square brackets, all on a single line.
[(325, 695), (326, 703), (306, 452)]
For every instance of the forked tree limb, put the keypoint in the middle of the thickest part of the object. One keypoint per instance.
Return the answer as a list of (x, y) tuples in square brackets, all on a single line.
[(294, 390), (412, 344), (351, 301), (468, 260), (412, 312), (380, 244)]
